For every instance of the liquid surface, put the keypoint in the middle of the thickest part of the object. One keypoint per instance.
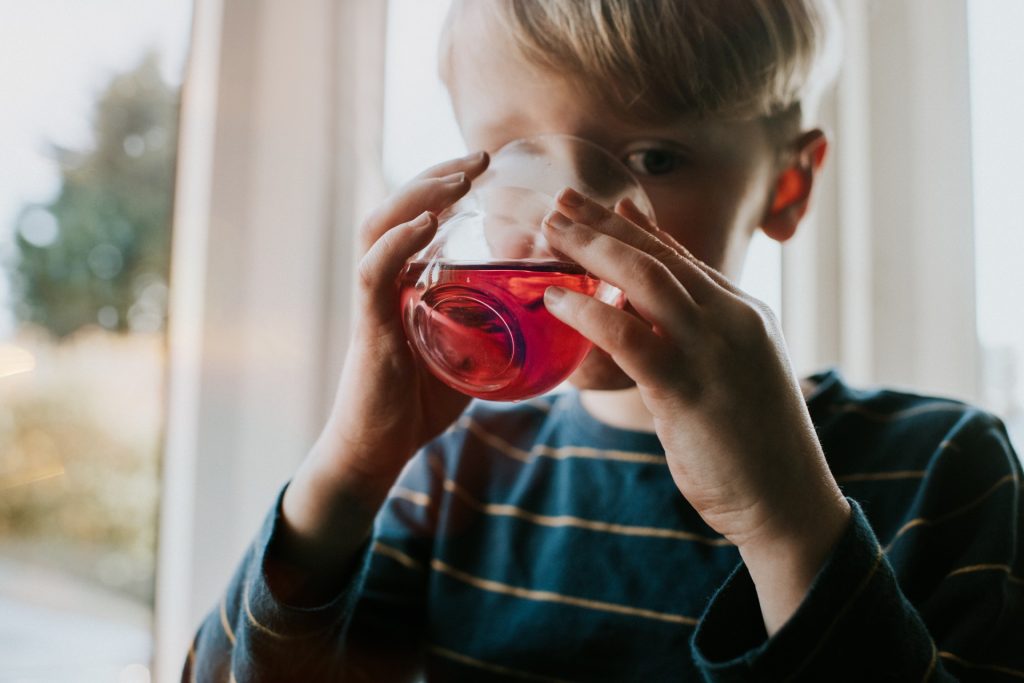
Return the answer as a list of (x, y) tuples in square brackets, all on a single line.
[(483, 329)]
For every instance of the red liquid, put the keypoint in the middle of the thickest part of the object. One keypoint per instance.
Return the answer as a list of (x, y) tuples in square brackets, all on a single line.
[(483, 328)]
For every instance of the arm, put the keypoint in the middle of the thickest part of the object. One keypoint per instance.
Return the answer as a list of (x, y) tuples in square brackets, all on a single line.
[(254, 634), (941, 600), (290, 601), (267, 627), (711, 367)]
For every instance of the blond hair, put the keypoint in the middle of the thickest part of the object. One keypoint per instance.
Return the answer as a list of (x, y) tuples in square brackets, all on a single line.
[(658, 60)]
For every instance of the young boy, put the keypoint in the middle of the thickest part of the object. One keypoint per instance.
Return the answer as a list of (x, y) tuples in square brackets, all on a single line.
[(692, 509)]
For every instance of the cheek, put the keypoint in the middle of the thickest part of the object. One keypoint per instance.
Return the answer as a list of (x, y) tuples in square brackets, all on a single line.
[(598, 371), (698, 222), (705, 215)]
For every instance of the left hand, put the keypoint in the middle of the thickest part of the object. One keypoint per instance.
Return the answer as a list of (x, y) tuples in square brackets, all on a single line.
[(712, 369)]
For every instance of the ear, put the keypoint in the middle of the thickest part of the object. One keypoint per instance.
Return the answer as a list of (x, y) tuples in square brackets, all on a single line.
[(792, 190)]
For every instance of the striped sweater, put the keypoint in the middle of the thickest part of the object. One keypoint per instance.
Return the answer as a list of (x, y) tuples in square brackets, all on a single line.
[(531, 542)]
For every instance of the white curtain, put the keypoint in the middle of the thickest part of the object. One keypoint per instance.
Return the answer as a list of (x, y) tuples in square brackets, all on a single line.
[(279, 160)]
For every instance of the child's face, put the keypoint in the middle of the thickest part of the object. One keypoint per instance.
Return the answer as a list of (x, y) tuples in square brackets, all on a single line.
[(710, 182)]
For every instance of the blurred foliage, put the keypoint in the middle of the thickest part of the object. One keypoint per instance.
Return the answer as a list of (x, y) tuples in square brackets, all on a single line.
[(80, 434), (99, 251), (79, 456)]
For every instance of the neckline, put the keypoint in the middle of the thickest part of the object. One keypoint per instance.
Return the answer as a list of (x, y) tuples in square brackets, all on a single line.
[(609, 436)]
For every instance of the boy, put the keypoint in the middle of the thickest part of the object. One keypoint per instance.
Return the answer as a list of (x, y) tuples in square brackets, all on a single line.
[(680, 514)]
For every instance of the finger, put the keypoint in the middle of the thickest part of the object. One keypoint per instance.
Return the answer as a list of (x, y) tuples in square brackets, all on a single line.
[(586, 211), (632, 212), (472, 164), (634, 347), (434, 190), (649, 285), (380, 267), (628, 209), (583, 210)]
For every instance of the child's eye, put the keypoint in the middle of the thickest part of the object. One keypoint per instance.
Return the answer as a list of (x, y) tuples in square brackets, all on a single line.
[(652, 161)]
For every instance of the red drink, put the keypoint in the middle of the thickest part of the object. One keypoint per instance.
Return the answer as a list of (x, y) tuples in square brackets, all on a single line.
[(483, 328)]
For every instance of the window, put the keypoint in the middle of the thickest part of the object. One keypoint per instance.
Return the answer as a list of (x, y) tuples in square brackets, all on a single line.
[(88, 131), (997, 102)]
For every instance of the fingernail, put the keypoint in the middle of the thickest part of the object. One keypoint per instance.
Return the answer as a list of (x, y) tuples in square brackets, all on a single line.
[(421, 221), (552, 295), (571, 197), (475, 157), (454, 178), (558, 220)]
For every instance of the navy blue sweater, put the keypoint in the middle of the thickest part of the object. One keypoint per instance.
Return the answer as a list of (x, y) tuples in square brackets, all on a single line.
[(531, 542)]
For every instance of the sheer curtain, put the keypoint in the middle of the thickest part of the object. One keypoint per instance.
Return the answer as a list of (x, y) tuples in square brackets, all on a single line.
[(882, 283), (280, 158)]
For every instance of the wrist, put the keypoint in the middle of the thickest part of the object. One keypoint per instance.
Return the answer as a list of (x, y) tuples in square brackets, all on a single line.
[(329, 494), (322, 527), (783, 565), (346, 456)]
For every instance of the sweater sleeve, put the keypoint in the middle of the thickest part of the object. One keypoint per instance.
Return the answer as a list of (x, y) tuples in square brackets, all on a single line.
[(254, 635), (941, 599)]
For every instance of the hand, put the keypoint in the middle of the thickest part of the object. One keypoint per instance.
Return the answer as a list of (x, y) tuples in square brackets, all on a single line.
[(387, 404), (711, 367)]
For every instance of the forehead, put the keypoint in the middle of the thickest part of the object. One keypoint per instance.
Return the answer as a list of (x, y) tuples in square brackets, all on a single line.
[(498, 96), (492, 87)]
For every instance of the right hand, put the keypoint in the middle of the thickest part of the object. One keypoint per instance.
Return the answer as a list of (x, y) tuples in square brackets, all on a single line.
[(387, 405)]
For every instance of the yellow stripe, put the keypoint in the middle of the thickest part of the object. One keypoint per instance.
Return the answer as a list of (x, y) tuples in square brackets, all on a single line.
[(949, 445), (548, 596), (487, 666), (493, 441), (560, 453), (882, 476), (931, 664), (563, 452), (988, 667), (192, 662), (224, 620), (257, 625), (921, 521), (899, 474), (934, 407), (397, 555), (231, 677), (987, 567), (579, 522), (842, 612), (415, 497)]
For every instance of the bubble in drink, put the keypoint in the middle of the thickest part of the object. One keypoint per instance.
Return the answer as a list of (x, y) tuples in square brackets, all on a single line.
[(483, 328)]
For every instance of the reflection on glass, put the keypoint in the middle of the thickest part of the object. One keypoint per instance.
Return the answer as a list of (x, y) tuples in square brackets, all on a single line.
[(84, 261)]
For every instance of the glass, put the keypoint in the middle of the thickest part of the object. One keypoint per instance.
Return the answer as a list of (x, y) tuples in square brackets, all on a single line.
[(419, 127), (472, 300)]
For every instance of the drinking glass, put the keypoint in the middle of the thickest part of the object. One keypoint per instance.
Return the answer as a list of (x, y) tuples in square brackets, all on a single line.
[(472, 300)]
